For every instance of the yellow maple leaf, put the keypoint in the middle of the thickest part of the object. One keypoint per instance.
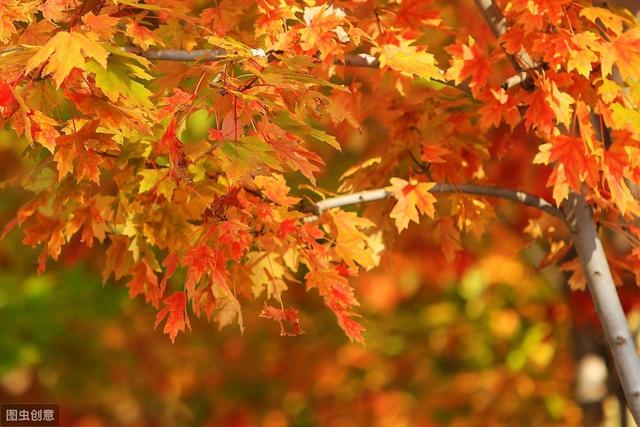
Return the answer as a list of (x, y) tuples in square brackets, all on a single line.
[(408, 61), (64, 51), (581, 58), (267, 273), (12, 11), (413, 197), (560, 102), (352, 245), (610, 20)]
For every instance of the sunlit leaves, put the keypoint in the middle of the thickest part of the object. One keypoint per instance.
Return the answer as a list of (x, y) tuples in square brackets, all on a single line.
[(412, 198), (468, 61), (583, 54), (104, 26), (409, 61), (63, 52), (13, 12), (351, 242), (624, 52), (574, 165), (211, 164), (548, 105), (610, 20)]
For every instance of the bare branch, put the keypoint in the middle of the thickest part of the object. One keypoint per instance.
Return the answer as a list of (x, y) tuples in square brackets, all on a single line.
[(471, 189), (184, 55)]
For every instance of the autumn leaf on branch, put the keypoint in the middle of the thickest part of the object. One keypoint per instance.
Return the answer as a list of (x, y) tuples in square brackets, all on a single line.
[(63, 52), (412, 197)]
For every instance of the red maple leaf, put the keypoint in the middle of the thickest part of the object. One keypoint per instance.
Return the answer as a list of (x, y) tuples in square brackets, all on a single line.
[(176, 306)]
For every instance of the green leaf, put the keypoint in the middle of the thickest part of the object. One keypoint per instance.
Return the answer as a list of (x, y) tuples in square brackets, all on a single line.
[(115, 82)]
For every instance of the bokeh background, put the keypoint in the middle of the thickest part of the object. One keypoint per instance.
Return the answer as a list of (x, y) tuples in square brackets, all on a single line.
[(483, 339)]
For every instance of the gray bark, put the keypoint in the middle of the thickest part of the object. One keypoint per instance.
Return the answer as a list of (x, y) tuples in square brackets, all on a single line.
[(605, 299)]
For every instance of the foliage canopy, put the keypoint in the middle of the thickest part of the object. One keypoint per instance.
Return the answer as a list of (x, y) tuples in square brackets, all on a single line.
[(411, 93)]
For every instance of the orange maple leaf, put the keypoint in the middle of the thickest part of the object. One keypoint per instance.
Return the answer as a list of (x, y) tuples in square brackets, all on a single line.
[(178, 321), (624, 51), (413, 197)]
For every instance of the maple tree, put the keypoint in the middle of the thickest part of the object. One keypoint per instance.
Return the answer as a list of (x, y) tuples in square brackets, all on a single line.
[(100, 94)]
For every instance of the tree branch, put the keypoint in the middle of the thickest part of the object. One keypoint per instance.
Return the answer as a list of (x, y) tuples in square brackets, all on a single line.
[(471, 189), (350, 60), (594, 264), (353, 60), (497, 22), (605, 298)]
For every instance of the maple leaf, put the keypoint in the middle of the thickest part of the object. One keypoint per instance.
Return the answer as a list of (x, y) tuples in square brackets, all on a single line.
[(276, 189), (145, 282), (468, 61), (583, 54), (6, 95), (338, 297), (235, 234), (409, 61), (267, 273), (177, 158), (574, 165), (158, 180), (57, 10), (498, 107), (351, 243), (577, 279), (449, 239), (119, 258), (200, 260), (13, 11), (63, 52), (46, 229), (548, 104), (116, 82), (610, 20), (413, 13), (178, 100), (284, 316), (413, 197), (170, 264), (624, 52), (177, 320), (351, 328), (80, 146), (91, 218), (41, 129), (102, 25), (323, 29), (142, 36)]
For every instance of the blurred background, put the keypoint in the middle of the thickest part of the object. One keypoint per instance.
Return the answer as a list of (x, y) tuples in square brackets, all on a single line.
[(483, 342)]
